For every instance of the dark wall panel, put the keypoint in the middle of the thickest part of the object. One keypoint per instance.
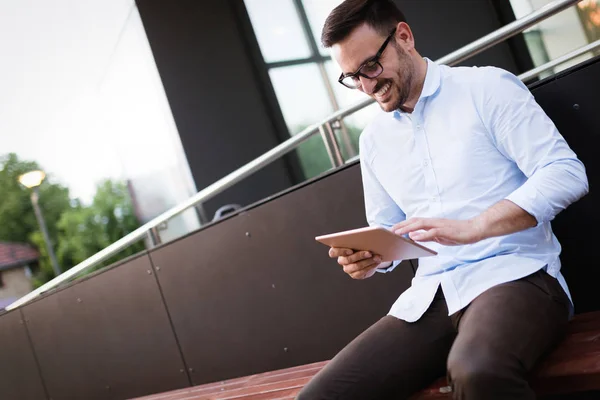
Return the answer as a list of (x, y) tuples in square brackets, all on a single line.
[(224, 106), (571, 100), (441, 27), (19, 374), (256, 292), (107, 337), (214, 93)]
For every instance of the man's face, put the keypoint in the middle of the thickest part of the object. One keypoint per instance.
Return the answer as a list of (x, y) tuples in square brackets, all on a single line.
[(392, 88)]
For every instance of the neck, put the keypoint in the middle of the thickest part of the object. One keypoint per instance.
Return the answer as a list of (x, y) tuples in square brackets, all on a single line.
[(419, 81)]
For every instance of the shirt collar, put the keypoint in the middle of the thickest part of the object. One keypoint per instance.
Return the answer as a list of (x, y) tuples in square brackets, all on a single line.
[(430, 86)]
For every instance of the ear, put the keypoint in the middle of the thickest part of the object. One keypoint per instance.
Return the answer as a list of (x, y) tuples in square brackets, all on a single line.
[(404, 36)]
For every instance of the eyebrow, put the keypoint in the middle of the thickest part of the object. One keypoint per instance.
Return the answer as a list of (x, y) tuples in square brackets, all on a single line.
[(378, 54), (360, 65)]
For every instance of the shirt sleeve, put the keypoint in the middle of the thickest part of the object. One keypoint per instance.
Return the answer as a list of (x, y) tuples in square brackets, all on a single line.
[(526, 135), (381, 209)]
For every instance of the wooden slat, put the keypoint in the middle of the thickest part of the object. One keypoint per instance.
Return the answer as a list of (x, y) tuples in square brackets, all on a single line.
[(261, 388), (567, 385), (273, 393), (585, 322), (256, 380), (573, 366), (302, 371), (433, 391), (263, 395)]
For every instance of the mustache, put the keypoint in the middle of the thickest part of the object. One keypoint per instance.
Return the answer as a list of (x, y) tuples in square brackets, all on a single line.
[(380, 85)]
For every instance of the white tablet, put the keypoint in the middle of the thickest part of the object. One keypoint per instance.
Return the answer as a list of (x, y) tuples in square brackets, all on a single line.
[(377, 240)]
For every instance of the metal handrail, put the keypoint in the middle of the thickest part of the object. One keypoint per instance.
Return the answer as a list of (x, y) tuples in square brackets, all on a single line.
[(241, 173), (506, 32), (557, 61)]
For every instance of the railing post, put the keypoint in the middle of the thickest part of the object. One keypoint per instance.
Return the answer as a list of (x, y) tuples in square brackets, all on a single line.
[(331, 145), (345, 135), (339, 123), (154, 237)]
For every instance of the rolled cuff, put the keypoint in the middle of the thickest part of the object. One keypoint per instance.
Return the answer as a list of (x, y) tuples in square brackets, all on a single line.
[(532, 201), (390, 268)]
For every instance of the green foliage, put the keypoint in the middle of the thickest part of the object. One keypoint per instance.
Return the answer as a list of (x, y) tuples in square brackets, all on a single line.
[(17, 219), (77, 231), (354, 133), (45, 272), (84, 231), (313, 157), (313, 154)]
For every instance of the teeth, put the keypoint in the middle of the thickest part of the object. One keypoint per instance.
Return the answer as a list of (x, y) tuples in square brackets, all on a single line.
[(381, 92)]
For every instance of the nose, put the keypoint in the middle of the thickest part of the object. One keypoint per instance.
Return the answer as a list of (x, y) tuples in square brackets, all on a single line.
[(367, 85)]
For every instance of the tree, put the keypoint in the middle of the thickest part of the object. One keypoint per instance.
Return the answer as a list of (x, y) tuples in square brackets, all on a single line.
[(76, 231), (313, 154), (17, 219), (84, 231)]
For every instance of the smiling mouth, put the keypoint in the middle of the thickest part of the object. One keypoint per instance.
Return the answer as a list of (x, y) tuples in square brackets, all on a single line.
[(383, 91)]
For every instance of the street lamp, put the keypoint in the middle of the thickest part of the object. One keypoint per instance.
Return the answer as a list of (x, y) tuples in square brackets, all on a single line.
[(32, 180)]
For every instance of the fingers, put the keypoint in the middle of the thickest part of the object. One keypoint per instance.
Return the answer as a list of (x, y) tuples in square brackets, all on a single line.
[(416, 224), (358, 256), (348, 256), (361, 265), (357, 271), (401, 226), (447, 236), (336, 252), (426, 236), (365, 273)]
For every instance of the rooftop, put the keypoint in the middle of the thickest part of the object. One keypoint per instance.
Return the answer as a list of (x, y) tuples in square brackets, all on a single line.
[(13, 255)]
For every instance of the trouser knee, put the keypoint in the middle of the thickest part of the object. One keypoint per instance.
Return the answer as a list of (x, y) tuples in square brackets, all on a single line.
[(311, 391), (469, 376), (479, 375)]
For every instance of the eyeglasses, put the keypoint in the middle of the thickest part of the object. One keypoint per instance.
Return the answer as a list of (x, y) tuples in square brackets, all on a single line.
[(370, 69)]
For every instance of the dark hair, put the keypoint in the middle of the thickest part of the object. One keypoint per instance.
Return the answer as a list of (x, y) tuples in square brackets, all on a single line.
[(381, 15)]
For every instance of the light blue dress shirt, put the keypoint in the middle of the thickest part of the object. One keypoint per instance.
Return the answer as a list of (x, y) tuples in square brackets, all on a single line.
[(475, 137)]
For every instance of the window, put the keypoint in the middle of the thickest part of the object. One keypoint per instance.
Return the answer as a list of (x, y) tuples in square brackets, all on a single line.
[(562, 33), (280, 38), (302, 73), (302, 96), (303, 101), (317, 11), (305, 78), (589, 13)]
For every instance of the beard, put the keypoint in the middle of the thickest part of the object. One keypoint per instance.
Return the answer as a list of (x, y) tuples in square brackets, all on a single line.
[(402, 82)]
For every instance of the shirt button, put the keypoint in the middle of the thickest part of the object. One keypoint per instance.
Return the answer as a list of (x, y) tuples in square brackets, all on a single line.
[(418, 127), (425, 163), (434, 199)]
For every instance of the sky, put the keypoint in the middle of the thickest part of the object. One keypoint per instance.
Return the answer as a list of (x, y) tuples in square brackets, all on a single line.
[(300, 90), (80, 93), (54, 56)]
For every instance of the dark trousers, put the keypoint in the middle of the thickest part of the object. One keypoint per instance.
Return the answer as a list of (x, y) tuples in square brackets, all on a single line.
[(486, 349)]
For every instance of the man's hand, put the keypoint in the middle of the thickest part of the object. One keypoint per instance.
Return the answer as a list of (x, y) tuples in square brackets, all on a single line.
[(444, 231), (503, 218), (359, 265)]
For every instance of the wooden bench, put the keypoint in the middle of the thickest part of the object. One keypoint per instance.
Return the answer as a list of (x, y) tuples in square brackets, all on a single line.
[(574, 366)]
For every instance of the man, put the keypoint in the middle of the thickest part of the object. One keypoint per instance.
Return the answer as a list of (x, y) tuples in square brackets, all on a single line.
[(465, 160)]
